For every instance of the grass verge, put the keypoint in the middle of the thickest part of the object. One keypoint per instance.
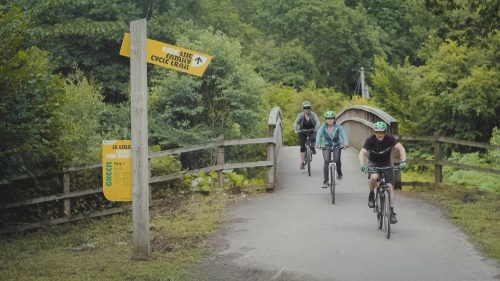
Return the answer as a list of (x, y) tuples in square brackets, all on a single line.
[(101, 249), (475, 211)]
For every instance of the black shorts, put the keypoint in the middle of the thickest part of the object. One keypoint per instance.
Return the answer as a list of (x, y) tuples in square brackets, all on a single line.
[(389, 173)]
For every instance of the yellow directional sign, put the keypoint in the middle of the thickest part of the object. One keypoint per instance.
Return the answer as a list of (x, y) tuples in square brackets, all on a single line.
[(170, 56), (117, 170)]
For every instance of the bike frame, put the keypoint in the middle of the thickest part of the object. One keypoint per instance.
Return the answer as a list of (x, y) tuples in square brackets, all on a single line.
[(383, 200), (308, 152), (332, 172)]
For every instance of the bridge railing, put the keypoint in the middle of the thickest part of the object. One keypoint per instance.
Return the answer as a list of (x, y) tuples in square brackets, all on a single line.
[(64, 199)]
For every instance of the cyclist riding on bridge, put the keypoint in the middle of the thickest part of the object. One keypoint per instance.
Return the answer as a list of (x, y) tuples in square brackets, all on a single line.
[(306, 120), (377, 149), (331, 135)]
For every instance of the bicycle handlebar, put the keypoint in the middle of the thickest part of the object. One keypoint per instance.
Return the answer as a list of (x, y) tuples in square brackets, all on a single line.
[(306, 130), (336, 147), (383, 168)]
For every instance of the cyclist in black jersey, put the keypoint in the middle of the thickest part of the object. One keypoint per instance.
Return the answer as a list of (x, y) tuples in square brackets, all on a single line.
[(306, 120), (377, 149)]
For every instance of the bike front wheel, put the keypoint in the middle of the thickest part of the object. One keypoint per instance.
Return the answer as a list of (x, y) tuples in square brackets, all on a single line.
[(386, 214), (378, 208), (332, 171)]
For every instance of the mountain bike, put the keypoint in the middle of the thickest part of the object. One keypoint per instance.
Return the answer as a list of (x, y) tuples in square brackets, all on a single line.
[(383, 200), (308, 154), (332, 172)]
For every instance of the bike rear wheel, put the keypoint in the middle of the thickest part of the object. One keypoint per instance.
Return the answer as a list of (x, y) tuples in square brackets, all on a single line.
[(308, 158), (386, 214), (332, 172)]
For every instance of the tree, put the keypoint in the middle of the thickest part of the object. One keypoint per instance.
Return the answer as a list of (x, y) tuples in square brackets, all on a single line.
[(187, 109), (30, 96), (84, 34), (339, 38), (455, 93), (466, 22)]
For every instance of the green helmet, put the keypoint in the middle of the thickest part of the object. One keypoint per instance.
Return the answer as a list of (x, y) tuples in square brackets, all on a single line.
[(379, 126), (330, 114), (306, 104)]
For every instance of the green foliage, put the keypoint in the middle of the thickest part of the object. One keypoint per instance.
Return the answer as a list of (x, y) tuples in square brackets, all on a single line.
[(458, 84), (30, 97), (233, 182), (467, 22), (290, 102), (79, 141), (86, 34), (289, 64), (164, 165), (187, 109), (338, 37), (483, 181), (405, 24)]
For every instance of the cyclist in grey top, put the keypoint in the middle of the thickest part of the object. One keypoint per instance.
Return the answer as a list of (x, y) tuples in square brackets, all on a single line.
[(377, 149), (306, 120)]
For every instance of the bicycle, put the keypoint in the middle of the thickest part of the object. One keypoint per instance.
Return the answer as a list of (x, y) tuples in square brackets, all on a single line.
[(332, 172), (308, 153), (383, 200)]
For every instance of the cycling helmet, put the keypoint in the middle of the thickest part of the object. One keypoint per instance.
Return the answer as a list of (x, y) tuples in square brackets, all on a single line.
[(306, 104), (379, 126), (330, 114)]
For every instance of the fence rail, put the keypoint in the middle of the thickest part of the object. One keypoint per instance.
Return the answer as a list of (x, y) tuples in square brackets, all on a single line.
[(439, 162), (274, 143)]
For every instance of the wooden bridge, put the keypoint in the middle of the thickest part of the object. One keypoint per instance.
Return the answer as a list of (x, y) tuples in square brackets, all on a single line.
[(356, 120)]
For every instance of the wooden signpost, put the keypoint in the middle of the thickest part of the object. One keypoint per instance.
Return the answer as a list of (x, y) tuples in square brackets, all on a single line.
[(142, 50)]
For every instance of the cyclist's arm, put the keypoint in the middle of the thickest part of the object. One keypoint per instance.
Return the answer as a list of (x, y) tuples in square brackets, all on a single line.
[(363, 153), (296, 126), (402, 151), (343, 136), (320, 139), (316, 121)]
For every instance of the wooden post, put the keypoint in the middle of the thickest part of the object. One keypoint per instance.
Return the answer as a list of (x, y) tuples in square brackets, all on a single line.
[(271, 170), (438, 157), (220, 160), (139, 116), (66, 190)]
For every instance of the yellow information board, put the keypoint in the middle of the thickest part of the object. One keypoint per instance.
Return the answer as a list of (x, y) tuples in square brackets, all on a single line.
[(170, 56), (117, 170)]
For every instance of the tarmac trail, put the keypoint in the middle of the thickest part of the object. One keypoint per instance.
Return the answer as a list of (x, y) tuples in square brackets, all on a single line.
[(295, 233)]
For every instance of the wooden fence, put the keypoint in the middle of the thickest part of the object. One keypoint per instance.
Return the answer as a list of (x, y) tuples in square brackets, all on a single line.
[(274, 143), (438, 161)]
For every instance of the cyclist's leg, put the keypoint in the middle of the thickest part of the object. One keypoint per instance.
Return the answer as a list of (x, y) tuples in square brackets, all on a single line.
[(372, 176), (326, 162), (313, 142), (336, 159), (389, 179), (302, 141), (372, 183)]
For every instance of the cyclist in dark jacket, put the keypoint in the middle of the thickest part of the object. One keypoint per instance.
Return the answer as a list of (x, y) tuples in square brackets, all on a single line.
[(306, 120), (330, 135), (377, 149)]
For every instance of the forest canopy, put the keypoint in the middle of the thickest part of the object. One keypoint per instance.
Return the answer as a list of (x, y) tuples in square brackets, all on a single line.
[(64, 87)]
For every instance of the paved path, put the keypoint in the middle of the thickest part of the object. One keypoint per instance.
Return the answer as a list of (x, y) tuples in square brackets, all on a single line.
[(295, 233)]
